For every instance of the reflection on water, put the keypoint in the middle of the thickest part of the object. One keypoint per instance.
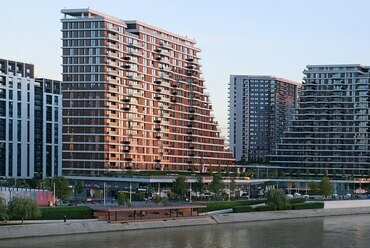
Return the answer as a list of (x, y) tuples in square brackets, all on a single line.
[(348, 231)]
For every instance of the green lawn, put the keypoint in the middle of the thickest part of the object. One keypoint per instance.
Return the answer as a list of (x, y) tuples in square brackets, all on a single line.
[(214, 206)]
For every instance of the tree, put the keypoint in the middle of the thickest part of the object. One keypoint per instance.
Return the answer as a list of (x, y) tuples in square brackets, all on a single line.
[(227, 171), (23, 209), (232, 185), (3, 215), (211, 169), (325, 186), (62, 189), (298, 173), (179, 186), (307, 172), (326, 173), (22, 183), (78, 187), (276, 199), (216, 185), (314, 188), (316, 172), (122, 198), (198, 186)]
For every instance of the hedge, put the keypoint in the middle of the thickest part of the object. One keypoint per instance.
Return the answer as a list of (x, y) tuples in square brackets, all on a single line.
[(58, 213), (242, 209), (296, 200), (214, 206), (262, 208), (307, 205)]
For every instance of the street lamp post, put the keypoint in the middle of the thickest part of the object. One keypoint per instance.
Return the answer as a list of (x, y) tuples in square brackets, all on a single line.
[(229, 188), (53, 194), (130, 191), (190, 194), (104, 193)]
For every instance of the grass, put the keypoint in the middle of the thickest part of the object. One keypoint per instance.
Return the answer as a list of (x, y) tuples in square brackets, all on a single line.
[(58, 213), (214, 206)]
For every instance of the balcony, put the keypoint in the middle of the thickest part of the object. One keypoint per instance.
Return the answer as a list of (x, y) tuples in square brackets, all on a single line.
[(126, 150), (162, 44), (158, 90), (157, 129), (135, 44), (157, 121), (126, 100), (173, 100), (157, 160), (134, 52), (157, 82), (126, 108), (128, 159), (189, 133), (191, 111), (157, 137), (125, 143), (158, 98), (174, 93), (127, 67), (191, 154)]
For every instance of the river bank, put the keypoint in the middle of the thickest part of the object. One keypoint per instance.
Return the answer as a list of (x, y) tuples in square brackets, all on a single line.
[(48, 228)]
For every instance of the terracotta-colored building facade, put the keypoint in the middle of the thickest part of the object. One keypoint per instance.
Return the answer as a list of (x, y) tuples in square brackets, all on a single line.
[(133, 99)]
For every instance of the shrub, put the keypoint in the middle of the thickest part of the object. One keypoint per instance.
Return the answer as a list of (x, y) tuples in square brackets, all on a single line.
[(308, 205), (58, 213), (276, 199), (262, 208), (296, 200), (23, 209), (122, 198), (242, 209)]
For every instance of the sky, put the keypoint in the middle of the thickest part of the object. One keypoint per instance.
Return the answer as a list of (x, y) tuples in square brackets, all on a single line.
[(264, 37)]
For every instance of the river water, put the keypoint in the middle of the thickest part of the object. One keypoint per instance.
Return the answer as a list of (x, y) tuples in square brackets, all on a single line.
[(343, 231)]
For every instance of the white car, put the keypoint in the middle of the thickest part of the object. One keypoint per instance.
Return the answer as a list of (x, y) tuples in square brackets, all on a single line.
[(289, 196), (297, 195)]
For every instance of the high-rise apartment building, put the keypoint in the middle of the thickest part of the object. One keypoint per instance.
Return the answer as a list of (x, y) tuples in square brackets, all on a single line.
[(330, 133), (30, 123), (133, 99), (259, 111)]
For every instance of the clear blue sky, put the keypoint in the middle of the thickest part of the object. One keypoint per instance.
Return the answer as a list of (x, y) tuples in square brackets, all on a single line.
[(269, 37)]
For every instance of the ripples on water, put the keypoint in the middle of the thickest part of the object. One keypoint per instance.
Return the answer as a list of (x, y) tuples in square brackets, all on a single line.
[(347, 231)]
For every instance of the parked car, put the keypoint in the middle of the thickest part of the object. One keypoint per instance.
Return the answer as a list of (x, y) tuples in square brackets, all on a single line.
[(289, 196)]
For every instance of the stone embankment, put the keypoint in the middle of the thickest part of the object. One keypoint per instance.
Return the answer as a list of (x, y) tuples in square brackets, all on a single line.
[(49, 228)]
